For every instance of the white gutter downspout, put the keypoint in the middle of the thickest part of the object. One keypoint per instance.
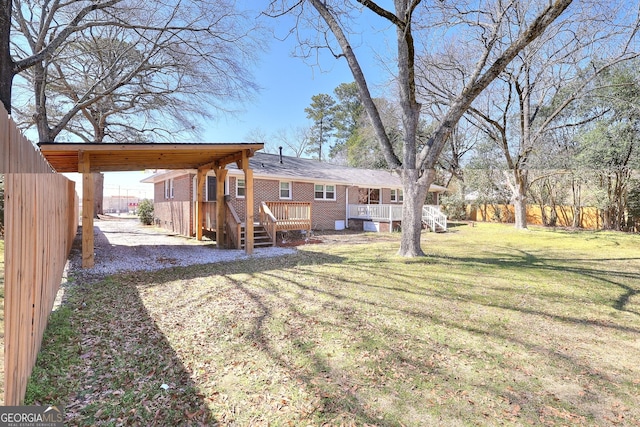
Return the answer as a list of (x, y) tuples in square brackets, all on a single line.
[(346, 208)]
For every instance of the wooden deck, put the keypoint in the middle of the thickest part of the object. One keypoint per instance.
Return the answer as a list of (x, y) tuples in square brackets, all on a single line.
[(285, 216)]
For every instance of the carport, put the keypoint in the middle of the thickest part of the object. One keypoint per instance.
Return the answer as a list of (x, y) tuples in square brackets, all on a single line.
[(93, 158)]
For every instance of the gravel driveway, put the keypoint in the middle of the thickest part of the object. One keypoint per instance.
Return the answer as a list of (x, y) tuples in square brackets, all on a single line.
[(126, 245)]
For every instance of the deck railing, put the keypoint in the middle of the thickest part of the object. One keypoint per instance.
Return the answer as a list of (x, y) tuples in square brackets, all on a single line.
[(431, 214), (376, 212), (285, 216), (289, 215)]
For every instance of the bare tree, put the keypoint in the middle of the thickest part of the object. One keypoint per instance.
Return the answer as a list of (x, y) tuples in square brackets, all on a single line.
[(493, 53), (527, 103), (134, 59), (295, 140), (75, 19)]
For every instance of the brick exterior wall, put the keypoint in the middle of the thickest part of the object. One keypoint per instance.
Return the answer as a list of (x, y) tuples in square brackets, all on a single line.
[(324, 213), (175, 214)]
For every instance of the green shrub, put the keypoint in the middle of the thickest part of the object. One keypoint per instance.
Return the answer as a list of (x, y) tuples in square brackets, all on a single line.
[(454, 206), (145, 212)]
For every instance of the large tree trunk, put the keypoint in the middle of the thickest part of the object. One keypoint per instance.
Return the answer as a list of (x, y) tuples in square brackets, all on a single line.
[(41, 116), (415, 193), (98, 192), (6, 62), (520, 198), (577, 202)]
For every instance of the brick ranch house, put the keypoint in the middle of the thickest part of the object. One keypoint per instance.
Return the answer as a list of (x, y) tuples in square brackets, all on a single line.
[(295, 193)]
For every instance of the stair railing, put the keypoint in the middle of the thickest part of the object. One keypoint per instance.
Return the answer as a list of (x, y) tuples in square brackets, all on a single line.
[(433, 217), (268, 221), (234, 227)]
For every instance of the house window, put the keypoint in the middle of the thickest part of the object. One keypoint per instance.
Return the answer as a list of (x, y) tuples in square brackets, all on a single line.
[(369, 196), (211, 189), (240, 188), (324, 192), (168, 189), (396, 195), (285, 190)]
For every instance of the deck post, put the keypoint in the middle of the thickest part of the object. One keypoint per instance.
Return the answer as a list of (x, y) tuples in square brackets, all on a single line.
[(84, 167), (201, 179), (221, 174), (249, 213)]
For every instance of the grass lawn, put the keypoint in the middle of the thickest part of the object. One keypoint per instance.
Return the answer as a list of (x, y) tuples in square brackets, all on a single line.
[(494, 327)]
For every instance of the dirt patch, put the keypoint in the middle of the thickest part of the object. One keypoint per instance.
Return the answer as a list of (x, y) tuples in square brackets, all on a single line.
[(298, 242), (346, 237)]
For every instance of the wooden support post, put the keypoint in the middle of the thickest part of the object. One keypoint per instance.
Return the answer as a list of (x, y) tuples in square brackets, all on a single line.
[(84, 166), (201, 179), (73, 217), (221, 174), (249, 218)]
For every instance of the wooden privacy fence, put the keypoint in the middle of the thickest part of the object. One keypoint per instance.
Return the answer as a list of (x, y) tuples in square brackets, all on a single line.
[(41, 220)]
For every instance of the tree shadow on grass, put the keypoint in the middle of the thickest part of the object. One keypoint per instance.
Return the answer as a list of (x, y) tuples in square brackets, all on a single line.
[(257, 311), (577, 267), (105, 360)]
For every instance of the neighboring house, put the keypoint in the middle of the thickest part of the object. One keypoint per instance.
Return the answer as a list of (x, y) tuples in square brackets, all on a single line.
[(327, 195)]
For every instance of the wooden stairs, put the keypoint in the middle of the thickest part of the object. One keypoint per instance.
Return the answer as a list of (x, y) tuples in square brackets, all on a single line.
[(261, 238)]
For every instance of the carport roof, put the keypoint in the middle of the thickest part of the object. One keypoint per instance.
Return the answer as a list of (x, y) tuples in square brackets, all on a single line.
[(108, 157)]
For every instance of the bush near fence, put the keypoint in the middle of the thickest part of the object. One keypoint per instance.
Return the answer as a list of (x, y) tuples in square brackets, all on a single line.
[(41, 220)]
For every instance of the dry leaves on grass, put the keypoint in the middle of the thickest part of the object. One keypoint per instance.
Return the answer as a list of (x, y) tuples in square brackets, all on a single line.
[(126, 372)]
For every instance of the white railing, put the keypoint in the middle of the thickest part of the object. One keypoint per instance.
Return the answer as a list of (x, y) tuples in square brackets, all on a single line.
[(431, 214), (434, 218), (376, 212)]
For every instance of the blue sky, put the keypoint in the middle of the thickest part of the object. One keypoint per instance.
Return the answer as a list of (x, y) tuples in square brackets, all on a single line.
[(288, 83)]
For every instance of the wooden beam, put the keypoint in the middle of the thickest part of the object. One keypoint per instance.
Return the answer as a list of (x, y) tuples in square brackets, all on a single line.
[(223, 161), (119, 157), (221, 206), (249, 215), (84, 163)]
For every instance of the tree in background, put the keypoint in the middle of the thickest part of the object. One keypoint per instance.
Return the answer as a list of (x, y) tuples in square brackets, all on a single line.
[(321, 112), (363, 149), (610, 146), (348, 113), (145, 211), (524, 106), (72, 17), (295, 141), (633, 206), (484, 180)]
